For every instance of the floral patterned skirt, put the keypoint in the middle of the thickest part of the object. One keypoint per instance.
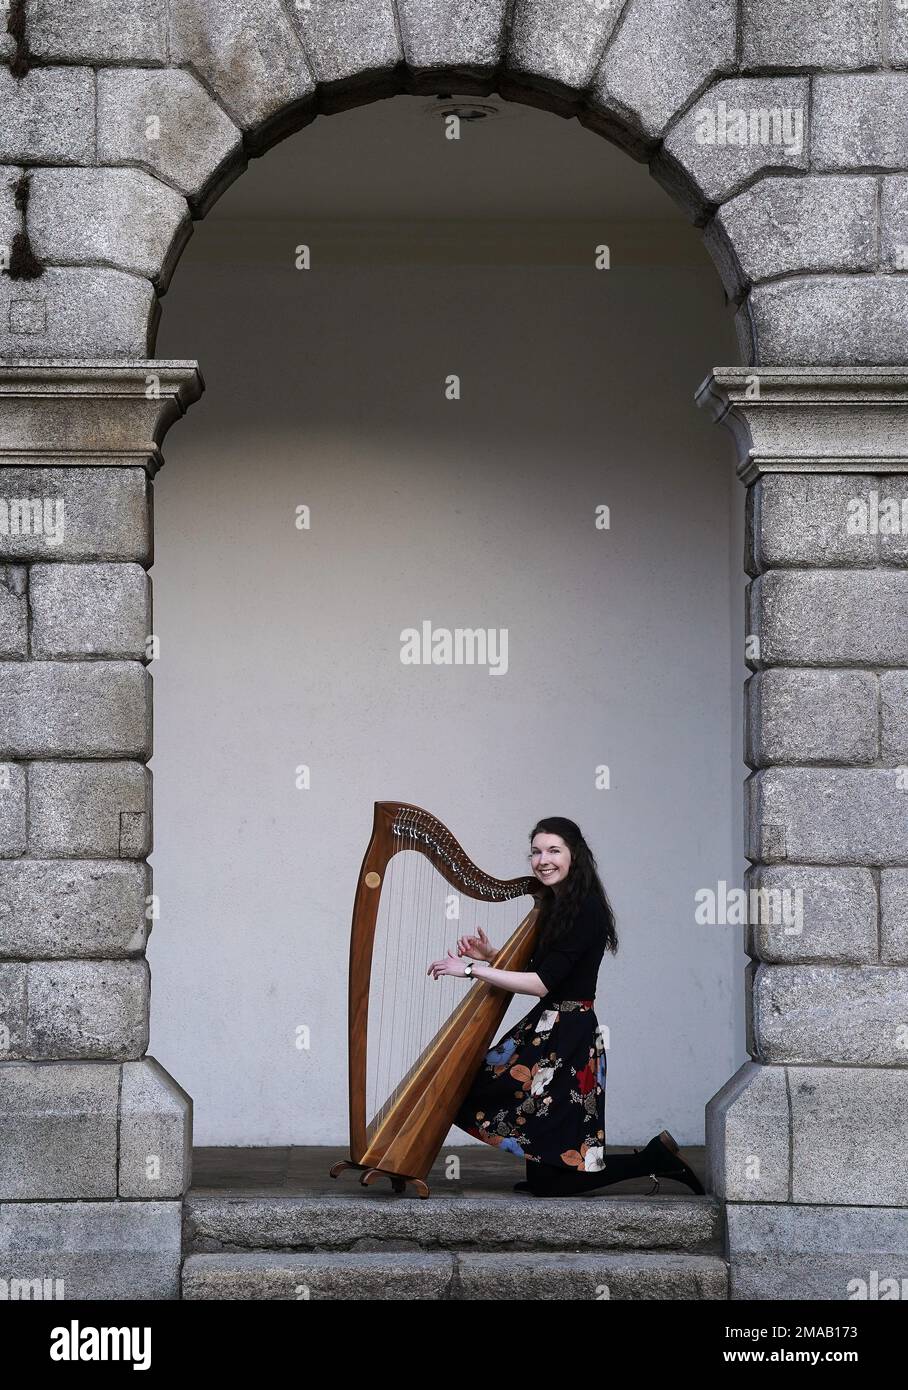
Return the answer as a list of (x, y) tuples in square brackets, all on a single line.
[(540, 1090)]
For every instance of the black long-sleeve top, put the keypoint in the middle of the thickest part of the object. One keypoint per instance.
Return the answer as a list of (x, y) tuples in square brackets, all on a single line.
[(569, 965)]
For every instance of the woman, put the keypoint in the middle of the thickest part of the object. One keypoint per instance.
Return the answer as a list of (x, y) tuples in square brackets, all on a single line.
[(540, 1091)]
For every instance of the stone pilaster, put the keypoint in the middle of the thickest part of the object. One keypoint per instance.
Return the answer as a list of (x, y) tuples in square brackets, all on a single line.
[(95, 1151), (806, 1142)]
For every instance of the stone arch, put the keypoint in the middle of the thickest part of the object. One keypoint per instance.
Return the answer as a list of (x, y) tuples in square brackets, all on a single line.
[(131, 124), (129, 121)]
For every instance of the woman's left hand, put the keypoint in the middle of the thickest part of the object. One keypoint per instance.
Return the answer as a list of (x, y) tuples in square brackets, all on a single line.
[(450, 965)]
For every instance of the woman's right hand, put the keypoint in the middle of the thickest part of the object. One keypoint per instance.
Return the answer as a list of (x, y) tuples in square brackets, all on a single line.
[(479, 947)]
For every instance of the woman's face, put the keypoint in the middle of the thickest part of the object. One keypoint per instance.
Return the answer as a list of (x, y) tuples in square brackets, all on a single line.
[(550, 858)]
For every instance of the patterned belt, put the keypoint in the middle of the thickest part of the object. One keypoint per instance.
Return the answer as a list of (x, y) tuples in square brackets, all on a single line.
[(566, 1005)]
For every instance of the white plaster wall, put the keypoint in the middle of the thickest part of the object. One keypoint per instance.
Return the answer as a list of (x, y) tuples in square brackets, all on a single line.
[(281, 647)]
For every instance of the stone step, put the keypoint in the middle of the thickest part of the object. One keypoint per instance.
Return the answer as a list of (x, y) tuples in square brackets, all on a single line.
[(384, 1223), (348, 1275)]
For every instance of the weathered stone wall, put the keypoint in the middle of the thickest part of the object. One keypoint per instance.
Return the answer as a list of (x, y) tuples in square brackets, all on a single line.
[(782, 132), (780, 129), (95, 1155), (817, 1119)]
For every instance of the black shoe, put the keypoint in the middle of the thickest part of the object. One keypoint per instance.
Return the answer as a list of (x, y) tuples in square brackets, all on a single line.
[(667, 1163)]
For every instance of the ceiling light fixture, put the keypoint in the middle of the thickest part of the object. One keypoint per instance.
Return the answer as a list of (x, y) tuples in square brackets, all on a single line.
[(465, 108)]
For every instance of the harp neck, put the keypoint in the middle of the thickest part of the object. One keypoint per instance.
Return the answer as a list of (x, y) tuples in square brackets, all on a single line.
[(410, 827)]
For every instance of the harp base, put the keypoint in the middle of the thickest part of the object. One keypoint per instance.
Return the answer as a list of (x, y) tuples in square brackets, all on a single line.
[(369, 1174)]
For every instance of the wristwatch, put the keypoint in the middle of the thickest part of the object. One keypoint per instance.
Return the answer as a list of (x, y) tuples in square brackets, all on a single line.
[(468, 970)]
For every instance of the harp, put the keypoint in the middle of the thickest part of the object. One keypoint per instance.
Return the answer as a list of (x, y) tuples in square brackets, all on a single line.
[(411, 880)]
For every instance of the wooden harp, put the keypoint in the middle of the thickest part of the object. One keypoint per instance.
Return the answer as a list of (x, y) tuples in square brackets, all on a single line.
[(412, 877)]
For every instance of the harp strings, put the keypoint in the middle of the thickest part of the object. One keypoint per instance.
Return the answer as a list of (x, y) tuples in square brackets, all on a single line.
[(407, 1008), (397, 993), (386, 955)]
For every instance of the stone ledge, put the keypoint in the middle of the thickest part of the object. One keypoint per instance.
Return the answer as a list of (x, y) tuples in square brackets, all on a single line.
[(806, 419), (214, 1224), (92, 411), (407, 1275)]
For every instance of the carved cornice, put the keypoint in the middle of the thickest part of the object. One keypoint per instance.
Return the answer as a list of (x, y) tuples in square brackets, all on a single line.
[(812, 419), (63, 413)]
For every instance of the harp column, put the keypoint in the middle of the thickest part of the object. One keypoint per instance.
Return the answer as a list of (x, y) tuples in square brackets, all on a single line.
[(806, 1143), (95, 1136)]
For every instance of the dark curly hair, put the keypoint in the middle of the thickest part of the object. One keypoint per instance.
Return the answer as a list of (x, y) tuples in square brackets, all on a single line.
[(557, 910)]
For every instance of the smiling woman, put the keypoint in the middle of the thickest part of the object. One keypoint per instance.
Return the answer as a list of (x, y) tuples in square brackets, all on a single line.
[(540, 1091), (556, 1112)]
